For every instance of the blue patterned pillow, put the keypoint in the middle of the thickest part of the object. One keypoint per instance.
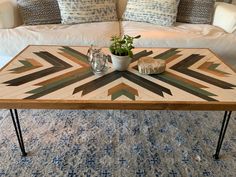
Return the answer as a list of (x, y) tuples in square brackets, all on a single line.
[(160, 12), (84, 11), (36, 12)]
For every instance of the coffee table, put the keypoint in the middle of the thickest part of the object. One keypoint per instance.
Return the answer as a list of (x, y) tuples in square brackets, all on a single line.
[(60, 77)]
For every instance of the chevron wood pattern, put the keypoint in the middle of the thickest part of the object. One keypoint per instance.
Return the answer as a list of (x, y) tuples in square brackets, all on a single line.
[(62, 74), (28, 65), (122, 89)]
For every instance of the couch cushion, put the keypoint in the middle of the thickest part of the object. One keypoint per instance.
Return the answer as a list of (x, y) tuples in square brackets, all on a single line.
[(196, 11), (160, 12), (84, 11), (183, 35), (39, 12), (14, 40)]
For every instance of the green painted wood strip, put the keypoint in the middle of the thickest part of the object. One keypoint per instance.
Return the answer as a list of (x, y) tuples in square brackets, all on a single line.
[(97, 83), (213, 67), (207, 79), (147, 84), (60, 85), (26, 63), (183, 66), (58, 65), (52, 59), (75, 51), (78, 57), (75, 54), (187, 85), (123, 92), (30, 77), (167, 54), (60, 82), (207, 98), (49, 86)]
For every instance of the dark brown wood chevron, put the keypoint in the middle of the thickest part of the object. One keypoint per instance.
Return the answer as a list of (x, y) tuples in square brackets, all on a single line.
[(106, 79), (207, 67), (28, 64), (97, 83), (164, 54), (50, 58), (72, 58), (183, 67), (58, 65), (75, 77), (149, 85), (183, 87)]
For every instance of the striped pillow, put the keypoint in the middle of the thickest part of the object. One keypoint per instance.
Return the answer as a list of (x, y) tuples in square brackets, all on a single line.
[(84, 11), (36, 12), (160, 12), (196, 11)]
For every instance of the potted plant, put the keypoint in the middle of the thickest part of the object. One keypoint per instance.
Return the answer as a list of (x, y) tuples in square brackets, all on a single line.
[(121, 51)]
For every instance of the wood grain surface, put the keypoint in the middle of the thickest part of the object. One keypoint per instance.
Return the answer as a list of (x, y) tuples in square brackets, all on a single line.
[(60, 77)]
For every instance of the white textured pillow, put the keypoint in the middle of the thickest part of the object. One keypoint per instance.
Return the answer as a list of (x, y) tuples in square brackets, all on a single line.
[(225, 17), (160, 12), (85, 11)]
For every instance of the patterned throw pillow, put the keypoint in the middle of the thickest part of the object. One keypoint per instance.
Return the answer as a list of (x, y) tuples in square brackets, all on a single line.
[(36, 12), (85, 11), (196, 11), (160, 12)]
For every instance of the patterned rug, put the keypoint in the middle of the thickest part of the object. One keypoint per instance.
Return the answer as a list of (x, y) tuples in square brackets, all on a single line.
[(117, 144)]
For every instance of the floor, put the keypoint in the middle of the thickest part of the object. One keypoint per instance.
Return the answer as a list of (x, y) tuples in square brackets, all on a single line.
[(117, 143)]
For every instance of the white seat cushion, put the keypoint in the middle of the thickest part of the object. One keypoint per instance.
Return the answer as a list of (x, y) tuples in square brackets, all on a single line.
[(14, 40), (183, 35)]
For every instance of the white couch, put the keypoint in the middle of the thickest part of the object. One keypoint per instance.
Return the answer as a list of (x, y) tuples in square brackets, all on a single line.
[(219, 37)]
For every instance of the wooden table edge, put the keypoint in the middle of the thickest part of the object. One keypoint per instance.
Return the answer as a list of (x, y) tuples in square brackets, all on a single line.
[(117, 105)]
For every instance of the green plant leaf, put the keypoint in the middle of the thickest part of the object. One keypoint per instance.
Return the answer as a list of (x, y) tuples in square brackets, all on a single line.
[(122, 46)]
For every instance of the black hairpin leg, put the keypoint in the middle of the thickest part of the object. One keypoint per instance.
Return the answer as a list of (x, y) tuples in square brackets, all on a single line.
[(16, 122), (222, 133)]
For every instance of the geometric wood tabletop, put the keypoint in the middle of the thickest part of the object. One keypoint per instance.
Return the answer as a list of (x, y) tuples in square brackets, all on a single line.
[(60, 77)]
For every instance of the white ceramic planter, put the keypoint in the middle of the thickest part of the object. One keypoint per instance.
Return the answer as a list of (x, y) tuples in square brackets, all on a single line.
[(120, 63)]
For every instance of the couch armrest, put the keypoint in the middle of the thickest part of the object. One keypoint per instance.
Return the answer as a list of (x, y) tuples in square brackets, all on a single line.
[(9, 15), (6, 15), (225, 17)]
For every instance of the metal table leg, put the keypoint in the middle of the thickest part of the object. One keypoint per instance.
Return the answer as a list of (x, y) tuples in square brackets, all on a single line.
[(16, 122), (224, 126)]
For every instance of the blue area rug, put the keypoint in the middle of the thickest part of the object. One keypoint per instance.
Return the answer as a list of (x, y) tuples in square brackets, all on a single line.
[(117, 144)]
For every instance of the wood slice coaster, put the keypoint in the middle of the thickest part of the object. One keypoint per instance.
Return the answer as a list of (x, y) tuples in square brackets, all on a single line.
[(149, 65)]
